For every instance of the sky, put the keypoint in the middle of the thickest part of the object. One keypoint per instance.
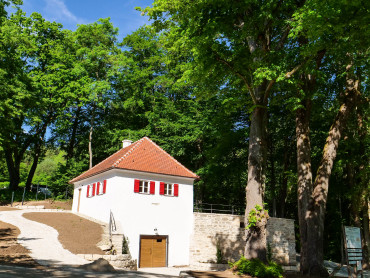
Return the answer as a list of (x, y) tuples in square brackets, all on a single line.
[(72, 12)]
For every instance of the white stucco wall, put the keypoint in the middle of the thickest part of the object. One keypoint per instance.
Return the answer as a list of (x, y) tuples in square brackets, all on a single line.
[(140, 214)]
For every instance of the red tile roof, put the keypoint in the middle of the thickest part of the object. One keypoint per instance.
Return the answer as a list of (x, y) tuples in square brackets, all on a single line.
[(143, 155)]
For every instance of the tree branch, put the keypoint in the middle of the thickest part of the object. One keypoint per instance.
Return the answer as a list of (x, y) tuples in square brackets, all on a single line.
[(238, 74)]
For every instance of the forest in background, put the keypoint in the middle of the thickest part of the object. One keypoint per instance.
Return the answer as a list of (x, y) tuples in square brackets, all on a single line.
[(194, 82)]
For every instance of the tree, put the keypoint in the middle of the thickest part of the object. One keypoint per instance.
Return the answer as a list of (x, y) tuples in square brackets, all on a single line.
[(330, 31), (238, 45), (33, 93)]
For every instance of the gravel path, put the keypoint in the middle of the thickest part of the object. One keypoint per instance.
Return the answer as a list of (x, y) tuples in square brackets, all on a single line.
[(41, 240)]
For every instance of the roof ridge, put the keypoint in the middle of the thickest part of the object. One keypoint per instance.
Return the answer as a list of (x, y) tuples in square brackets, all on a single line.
[(171, 157), (137, 143)]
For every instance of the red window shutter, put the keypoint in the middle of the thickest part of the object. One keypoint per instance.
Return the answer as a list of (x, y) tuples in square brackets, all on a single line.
[(176, 190), (152, 187), (88, 188), (137, 186), (161, 188), (104, 186), (97, 188), (93, 189)]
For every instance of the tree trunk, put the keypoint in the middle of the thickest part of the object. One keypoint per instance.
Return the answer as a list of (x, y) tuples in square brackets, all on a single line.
[(304, 176), (90, 147), (13, 165), (32, 171), (317, 207), (256, 237), (366, 233)]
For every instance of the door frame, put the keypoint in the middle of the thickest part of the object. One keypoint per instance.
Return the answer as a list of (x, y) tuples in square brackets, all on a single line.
[(153, 237)]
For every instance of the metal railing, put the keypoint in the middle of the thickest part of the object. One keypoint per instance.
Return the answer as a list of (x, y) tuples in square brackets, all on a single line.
[(219, 208), (112, 224)]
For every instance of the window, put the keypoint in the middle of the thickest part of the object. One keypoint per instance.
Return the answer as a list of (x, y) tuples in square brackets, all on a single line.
[(97, 188), (169, 189), (145, 187), (90, 190), (101, 187)]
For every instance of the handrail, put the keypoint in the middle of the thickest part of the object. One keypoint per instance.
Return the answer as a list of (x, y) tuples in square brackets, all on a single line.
[(112, 224), (219, 208)]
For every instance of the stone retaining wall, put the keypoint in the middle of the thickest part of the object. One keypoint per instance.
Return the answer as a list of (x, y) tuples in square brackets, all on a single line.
[(119, 261), (224, 232)]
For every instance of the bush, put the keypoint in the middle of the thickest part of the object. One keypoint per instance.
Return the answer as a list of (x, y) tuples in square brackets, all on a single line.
[(257, 268)]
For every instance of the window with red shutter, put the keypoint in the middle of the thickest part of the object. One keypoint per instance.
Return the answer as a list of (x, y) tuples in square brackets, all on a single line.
[(93, 189), (88, 189), (152, 187), (104, 186), (137, 186), (176, 190)]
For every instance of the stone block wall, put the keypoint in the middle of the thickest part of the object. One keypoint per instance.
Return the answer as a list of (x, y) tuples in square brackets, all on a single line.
[(224, 231), (281, 240)]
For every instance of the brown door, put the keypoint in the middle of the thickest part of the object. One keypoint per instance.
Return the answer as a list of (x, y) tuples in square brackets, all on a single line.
[(153, 251), (79, 197)]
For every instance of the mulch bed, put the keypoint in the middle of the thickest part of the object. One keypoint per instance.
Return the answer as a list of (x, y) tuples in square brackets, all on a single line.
[(76, 234), (12, 253), (7, 208), (48, 204)]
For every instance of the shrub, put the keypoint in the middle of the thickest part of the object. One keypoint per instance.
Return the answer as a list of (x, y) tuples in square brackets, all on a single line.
[(257, 268)]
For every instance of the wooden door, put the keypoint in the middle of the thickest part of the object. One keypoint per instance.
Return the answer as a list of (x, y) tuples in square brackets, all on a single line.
[(153, 251), (79, 197)]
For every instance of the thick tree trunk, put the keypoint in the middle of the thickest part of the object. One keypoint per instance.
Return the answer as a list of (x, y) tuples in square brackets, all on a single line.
[(366, 233), (304, 176), (13, 165), (256, 237), (317, 207)]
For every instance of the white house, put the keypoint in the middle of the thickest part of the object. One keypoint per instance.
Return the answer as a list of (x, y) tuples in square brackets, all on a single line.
[(150, 195)]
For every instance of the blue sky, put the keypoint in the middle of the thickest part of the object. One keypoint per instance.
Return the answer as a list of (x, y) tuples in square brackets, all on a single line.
[(72, 12)]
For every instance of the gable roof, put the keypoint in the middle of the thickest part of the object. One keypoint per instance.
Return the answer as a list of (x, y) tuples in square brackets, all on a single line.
[(144, 156)]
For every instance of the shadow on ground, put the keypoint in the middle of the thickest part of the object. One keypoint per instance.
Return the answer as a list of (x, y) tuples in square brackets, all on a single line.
[(68, 271)]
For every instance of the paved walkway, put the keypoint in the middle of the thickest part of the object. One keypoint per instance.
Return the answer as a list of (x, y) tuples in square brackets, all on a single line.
[(24, 272), (41, 240)]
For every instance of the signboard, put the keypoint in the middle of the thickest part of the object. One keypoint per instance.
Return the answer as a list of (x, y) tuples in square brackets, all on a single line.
[(353, 237), (353, 248)]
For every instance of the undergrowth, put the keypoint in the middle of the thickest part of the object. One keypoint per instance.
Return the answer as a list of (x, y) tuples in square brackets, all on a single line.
[(257, 268)]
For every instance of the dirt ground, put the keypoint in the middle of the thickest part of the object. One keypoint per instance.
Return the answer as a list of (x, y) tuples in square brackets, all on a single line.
[(7, 208), (78, 235), (12, 253), (49, 204)]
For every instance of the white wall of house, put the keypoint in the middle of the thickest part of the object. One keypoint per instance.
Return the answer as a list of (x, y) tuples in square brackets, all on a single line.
[(142, 214)]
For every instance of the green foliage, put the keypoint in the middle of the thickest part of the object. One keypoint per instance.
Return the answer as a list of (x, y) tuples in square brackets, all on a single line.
[(256, 216), (257, 268)]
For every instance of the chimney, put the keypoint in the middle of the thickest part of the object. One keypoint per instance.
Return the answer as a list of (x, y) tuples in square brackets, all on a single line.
[(126, 143)]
